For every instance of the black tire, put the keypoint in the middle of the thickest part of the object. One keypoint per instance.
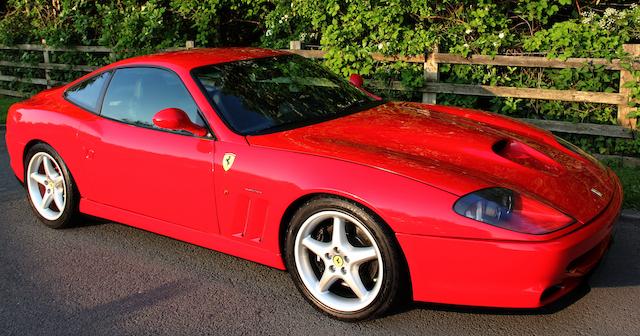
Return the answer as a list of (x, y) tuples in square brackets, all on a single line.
[(70, 211), (393, 273)]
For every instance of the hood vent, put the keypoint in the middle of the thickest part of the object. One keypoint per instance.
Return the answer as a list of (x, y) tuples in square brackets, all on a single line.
[(524, 155)]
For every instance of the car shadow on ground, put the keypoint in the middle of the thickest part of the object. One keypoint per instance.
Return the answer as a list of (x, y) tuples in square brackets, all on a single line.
[(89, 221)]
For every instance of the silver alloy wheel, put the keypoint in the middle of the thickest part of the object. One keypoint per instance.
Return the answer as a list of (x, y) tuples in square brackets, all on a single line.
[(46, 186), (342, 261)]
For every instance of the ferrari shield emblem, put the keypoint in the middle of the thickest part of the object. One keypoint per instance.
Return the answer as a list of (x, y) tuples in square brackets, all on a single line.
[(227, 161), (337, 260)]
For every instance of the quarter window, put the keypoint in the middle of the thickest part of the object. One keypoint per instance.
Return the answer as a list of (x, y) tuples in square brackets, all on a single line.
[(86, 94), (135, 95)]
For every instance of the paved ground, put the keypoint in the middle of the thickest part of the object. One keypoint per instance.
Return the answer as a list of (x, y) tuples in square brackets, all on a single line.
[(109, 279)]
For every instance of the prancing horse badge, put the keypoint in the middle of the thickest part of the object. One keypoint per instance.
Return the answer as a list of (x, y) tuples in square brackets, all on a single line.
[(227, 161)]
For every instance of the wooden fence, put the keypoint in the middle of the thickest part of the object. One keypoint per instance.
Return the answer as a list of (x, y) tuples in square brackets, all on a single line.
[(432, 87), (47, 66)]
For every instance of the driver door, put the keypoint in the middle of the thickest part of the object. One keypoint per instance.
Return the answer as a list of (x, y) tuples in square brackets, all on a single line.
[(140, 168)]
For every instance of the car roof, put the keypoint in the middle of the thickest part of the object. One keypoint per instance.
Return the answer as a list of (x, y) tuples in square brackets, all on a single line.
[(194, 58)]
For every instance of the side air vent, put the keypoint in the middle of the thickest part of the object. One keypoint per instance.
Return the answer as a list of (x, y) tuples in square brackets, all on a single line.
[(524, 155)]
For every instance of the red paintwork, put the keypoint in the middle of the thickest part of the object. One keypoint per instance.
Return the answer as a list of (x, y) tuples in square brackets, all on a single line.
[(358, 82), (177, 120), (407, 162)]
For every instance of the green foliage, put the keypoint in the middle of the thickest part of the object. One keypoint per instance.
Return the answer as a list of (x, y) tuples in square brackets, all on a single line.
[(350, 30), (132, 29), (5, 102), (630, 179)]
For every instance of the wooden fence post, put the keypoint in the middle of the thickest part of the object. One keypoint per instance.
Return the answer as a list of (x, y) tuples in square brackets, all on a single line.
[(295, 45), (625, 76), (45, 55), (430, 75)]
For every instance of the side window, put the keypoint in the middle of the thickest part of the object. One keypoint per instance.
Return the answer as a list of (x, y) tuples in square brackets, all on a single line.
[(135, 95), (86, 94)]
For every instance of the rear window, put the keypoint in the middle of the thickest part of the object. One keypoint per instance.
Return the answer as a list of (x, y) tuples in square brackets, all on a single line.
[(86, 94)]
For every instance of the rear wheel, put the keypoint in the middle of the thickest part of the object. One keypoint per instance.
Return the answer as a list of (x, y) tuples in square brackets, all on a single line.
[(50, 188), (342, 259)]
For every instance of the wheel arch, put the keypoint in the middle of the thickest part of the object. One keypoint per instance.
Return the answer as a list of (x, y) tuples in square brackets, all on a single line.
[(28, 146), (300, 201), (25, 150)]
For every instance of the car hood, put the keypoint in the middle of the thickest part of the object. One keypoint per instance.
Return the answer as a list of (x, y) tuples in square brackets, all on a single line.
[(458, 151)]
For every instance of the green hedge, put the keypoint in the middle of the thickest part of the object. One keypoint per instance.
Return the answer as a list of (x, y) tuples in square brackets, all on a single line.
[(350, 29)]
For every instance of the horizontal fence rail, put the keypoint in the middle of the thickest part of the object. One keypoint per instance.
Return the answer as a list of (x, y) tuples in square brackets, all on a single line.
[(41, 47), (508, 91), (431, 87)]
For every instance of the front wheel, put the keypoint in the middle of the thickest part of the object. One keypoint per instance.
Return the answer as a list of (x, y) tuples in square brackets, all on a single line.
[(342, 259), (50, 189)]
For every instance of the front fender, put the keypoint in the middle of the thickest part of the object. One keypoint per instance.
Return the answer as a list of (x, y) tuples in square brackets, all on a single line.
[(253, 196)]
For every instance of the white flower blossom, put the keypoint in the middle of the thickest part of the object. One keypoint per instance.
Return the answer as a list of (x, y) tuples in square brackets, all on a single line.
[(466, 45), (496, 44), (610, 12), (468, 31), (501, 35), (269, 32), (588, 17), (380, 45)]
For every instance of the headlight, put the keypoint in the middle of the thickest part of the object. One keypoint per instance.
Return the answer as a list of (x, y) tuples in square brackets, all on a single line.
[(509, 210)]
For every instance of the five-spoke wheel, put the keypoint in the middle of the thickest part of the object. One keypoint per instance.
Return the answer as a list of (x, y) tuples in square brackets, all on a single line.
[(342, 259), (338, 260), (46, 186), (49, 186)]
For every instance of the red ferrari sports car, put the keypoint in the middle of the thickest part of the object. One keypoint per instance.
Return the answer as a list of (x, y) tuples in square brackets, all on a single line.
[(270, 157)]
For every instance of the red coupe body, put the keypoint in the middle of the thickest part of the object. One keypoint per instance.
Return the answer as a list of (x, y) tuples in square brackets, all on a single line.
[(408, 163)]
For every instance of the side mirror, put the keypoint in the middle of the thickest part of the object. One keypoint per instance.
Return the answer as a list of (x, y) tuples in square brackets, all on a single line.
[(357, 81), (176, 119)]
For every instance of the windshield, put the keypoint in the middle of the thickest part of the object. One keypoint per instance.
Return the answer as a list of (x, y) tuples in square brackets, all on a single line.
[(265, 95)]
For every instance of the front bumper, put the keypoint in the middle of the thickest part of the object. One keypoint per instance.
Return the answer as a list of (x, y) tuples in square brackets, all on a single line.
[(506, 273)]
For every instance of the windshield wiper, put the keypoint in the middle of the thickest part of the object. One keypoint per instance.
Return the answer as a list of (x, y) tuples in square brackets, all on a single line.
[(353, 104), (360, 105), (350, 108)]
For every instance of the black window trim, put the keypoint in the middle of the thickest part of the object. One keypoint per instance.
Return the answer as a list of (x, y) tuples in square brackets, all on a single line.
[(100, 96), (210, 134)]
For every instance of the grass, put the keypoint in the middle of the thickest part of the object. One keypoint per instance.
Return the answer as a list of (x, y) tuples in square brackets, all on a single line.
[(630, 178), (5, 102)]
